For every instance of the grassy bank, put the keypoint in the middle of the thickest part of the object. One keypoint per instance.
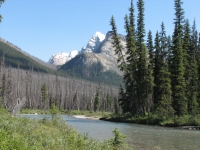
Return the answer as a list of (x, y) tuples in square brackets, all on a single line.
[(22, 134), (187, 120)]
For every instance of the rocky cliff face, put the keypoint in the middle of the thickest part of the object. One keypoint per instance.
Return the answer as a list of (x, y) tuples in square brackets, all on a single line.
[(99, 49), (103, 53), (106, 54)]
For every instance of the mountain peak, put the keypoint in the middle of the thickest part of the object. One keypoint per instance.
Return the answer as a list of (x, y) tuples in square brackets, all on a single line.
[(100, 35), (94, 43), (92, 46)]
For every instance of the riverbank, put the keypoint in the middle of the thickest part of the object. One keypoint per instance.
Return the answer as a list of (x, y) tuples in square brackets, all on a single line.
[(184, 122), (23, 133), (76, 113)]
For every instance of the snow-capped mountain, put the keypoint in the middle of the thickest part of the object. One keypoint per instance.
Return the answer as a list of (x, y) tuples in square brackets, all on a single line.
[(105, 57), (92, 46), (93, 43), (62, 58)]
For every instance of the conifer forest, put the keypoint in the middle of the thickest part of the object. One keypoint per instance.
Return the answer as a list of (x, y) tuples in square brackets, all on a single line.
[(161, 75)]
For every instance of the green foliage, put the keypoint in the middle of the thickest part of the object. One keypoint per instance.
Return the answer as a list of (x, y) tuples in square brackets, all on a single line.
[(118, 141), (162, 89), (97, 101), (22, 133), (167, 78), (44, 92), (54, 110)]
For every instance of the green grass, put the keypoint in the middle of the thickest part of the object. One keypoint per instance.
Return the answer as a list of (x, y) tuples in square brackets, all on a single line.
[(22, 134)]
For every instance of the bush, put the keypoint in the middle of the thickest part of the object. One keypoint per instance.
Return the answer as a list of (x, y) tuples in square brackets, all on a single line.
[(22, 133)]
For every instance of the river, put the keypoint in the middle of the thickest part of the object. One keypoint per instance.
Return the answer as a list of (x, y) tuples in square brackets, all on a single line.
[(141, 137)]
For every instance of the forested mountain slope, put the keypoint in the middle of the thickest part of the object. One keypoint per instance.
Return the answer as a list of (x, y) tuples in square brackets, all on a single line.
[(87, 66), (15, 57)]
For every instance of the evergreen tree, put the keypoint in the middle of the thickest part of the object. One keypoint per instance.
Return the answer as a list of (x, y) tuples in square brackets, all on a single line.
[(150, 47), (179, 19), (193, 73), (44, 93), (128, 66), (178, 80), (162, 93), (142, 65), (150, 71), (130, 74), (117, 45), (177, 66), (157, 62), (122, 100), (97, 101)]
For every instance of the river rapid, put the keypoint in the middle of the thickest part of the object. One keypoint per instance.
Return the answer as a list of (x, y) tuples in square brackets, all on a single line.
[(141, 137)]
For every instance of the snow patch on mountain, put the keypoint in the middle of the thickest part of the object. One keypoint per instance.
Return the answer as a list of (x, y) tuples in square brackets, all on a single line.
[(93, 43), (62, 58)]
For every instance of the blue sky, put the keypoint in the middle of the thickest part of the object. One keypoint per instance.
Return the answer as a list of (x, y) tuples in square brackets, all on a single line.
[(44, 27)]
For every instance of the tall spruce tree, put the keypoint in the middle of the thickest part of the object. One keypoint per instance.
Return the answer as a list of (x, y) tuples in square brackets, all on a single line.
[(178, 80), (177, 66), (130, 76), (193, 73), (143, 78), (150, 47), (157, 66), (151, 65), (162, 93), (129, 100)]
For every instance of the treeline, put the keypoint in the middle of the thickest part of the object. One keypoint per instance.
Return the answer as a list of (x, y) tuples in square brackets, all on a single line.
[(42, 91), (161, 76)]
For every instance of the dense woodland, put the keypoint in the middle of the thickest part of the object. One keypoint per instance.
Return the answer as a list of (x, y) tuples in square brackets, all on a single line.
[(161, 75)]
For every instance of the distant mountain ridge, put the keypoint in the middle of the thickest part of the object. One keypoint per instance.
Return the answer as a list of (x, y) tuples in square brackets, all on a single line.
[(62, 58), (15, 57), (100, 50), (91, 47), (98, 63), (52, 66)]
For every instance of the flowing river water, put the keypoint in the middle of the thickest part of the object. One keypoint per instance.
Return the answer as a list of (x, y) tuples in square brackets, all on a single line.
[(141, 137)]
